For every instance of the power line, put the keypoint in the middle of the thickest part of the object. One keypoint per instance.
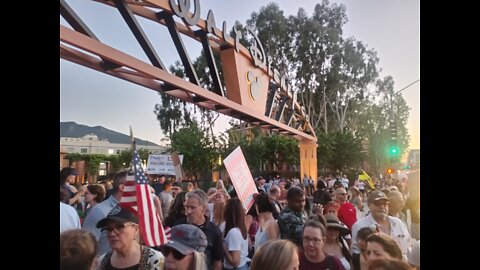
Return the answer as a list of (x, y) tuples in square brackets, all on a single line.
[(407, 86)]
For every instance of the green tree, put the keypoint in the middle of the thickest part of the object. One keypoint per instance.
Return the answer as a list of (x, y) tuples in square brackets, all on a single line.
[(125, 158), (372, 122), (195, 146), (279, 149), (173, 114), (325, 151), (273, 30), (251, 143), (332, 76), (396, 111), (115, 162), (328, 71), (317, 46), (353, 70), (92, 163), (347, 153)]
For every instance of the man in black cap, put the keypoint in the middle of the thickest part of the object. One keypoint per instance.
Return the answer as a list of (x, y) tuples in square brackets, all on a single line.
[(379, 219)]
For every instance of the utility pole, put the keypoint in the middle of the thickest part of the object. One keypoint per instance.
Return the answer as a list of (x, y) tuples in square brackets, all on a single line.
[(393, 149)]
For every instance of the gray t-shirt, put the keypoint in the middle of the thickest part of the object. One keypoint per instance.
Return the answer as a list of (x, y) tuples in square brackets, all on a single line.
[(166, 199)]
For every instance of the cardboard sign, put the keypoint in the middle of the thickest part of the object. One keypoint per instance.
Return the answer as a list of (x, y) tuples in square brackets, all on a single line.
[(177, 164), (241, 177), (161, 164)]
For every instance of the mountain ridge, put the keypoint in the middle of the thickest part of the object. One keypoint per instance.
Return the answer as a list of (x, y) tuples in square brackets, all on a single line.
[(74, 130)]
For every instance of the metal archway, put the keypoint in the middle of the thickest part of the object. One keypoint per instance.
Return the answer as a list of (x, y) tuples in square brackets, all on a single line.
[(254, 91)]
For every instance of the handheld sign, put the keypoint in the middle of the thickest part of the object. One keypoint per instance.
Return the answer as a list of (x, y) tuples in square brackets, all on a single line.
[(177, 164), (161, 164), (241, 177)]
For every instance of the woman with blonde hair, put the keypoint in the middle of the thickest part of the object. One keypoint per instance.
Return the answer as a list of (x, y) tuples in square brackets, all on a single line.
[(276, 254), (216, 206), (219, 216), (122, 231)]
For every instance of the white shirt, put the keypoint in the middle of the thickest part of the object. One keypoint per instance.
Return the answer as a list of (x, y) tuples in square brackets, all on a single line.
[(345, 182), (235, 241), (69, 218), (398, 232)]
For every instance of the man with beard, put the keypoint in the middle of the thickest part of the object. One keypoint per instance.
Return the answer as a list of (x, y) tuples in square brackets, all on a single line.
[(380, 221), (293, 216)]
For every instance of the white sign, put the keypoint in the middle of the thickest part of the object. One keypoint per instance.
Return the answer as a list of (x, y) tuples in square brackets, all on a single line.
[(161, 164), (241, 177)]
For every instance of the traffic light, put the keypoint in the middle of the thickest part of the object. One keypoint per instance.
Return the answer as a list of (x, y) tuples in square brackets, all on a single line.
[(390, 170), (393, 130), (393, 150), (393, 147)]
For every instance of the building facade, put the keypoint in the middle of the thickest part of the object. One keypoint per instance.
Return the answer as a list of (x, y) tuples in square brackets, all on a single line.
[(92, 144), (414, 157)]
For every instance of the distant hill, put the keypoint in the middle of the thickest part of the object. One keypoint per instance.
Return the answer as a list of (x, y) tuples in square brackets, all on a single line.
[(74, 130)]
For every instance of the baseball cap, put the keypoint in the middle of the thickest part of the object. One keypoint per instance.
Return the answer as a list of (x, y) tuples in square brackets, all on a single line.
[(187, 238), (120, 215), (376, 195)]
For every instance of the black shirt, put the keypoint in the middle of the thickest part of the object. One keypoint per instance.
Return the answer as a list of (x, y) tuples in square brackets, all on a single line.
[(214, 250)]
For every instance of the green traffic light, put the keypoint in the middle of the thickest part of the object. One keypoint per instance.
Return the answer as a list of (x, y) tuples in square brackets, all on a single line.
[(393, 150)]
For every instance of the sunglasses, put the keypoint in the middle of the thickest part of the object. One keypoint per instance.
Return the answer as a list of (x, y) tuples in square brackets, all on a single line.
[(117, 229), (176, 254)]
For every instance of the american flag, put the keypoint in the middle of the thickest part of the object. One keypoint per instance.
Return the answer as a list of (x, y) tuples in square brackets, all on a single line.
[(138, 198)]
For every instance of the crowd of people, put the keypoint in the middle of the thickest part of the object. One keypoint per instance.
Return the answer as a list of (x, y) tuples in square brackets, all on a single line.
[(335, 224)]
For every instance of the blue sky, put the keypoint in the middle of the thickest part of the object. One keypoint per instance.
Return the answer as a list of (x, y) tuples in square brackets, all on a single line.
[(92, 98)]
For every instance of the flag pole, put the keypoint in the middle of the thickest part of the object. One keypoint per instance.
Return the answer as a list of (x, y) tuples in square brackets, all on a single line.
[(150, 224), (132, 166), (131, 136)]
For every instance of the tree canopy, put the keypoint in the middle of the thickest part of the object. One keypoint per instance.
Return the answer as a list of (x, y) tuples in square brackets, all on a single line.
[(335, 78)]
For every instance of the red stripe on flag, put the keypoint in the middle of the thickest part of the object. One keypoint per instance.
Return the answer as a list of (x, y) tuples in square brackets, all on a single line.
[(137, 198), (150, 224), (129, 196)]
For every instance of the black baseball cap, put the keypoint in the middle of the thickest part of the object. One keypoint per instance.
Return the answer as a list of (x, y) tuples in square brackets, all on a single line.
[(120, 215)]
